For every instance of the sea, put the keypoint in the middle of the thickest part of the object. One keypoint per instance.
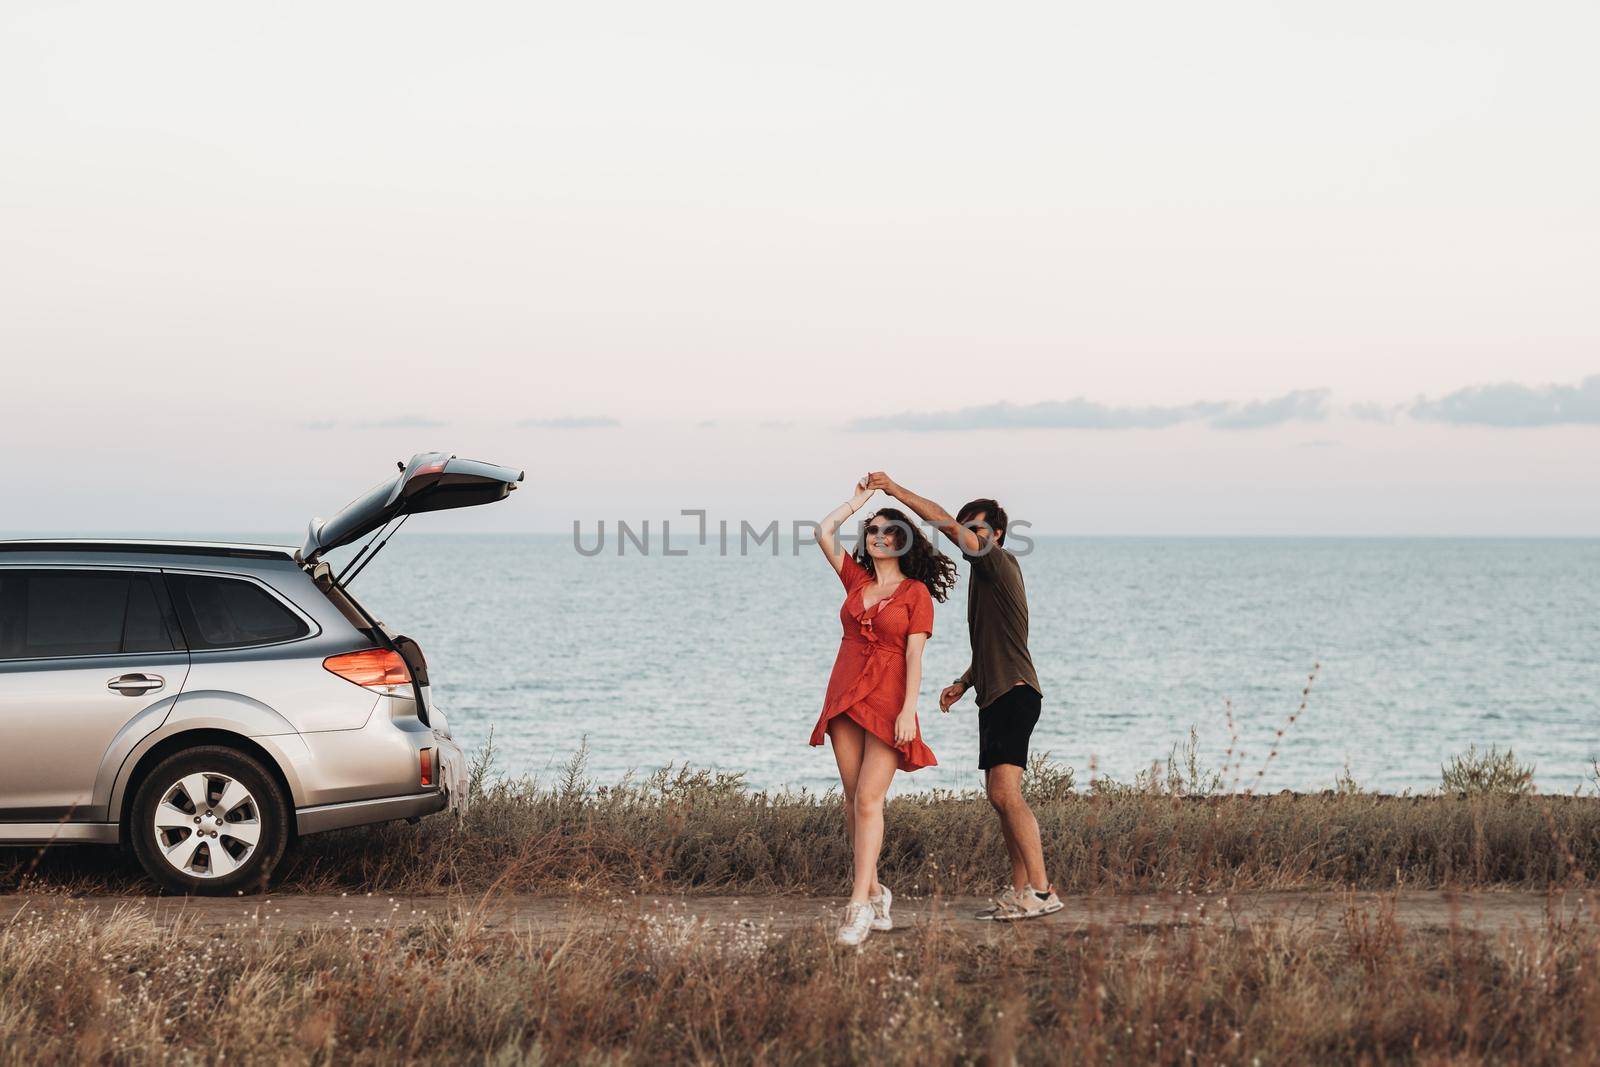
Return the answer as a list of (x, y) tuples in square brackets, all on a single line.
[(718, 659)]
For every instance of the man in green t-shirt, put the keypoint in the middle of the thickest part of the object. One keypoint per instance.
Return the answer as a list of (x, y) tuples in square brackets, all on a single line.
[(1007, 686)]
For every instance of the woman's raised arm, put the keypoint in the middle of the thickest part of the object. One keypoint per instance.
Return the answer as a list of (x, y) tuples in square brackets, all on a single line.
[(828, 531)]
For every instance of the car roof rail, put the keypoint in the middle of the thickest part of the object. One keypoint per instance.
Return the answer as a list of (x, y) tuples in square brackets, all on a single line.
[(163, 548)]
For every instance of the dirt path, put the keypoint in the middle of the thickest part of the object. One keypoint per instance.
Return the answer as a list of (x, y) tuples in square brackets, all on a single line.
[(1488, 912)]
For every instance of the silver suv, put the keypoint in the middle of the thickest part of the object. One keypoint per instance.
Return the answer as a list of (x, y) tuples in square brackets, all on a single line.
[(206, 704)]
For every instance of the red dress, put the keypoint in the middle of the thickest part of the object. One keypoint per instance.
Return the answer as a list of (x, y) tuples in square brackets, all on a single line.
[(869, 677)]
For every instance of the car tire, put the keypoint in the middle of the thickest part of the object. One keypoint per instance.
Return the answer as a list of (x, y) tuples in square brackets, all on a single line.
[(210, 820)]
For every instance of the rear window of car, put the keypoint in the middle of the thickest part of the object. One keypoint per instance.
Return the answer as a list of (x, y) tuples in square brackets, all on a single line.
[(231, 613), (68, 613)]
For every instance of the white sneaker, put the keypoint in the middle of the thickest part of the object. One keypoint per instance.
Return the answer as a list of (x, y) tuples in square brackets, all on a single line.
[(880, 909), (857, 924), (1031, 903)]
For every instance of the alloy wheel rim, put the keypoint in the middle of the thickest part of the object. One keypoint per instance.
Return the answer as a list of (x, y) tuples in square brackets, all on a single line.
[(207, 825)]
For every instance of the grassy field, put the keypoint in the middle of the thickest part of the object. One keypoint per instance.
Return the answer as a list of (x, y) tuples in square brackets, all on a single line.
[(646, 989), (118, 989), (1177, 827)]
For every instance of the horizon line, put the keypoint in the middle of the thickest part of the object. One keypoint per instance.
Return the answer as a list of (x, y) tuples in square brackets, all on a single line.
[(273, 537)]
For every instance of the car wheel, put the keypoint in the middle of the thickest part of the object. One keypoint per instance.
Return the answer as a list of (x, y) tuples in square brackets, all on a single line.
[(210, 820)]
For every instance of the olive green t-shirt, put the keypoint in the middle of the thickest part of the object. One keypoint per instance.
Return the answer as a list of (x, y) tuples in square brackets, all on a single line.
[(997, 625)]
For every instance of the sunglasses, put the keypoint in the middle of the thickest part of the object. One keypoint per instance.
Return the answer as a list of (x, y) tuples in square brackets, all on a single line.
[(876, 531)]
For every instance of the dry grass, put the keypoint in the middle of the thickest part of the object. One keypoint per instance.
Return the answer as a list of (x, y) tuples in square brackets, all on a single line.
[(697, 831), (75, 989), (80, 988)]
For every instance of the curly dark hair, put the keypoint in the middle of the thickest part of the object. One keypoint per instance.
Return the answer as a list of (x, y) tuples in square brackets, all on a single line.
[(919, 560)]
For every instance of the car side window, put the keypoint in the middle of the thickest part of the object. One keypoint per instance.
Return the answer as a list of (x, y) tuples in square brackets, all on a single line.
[(221, 612), (73, 613), (146, 629)]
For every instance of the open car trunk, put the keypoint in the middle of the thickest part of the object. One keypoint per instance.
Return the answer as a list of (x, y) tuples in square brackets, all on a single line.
[(432, 481)]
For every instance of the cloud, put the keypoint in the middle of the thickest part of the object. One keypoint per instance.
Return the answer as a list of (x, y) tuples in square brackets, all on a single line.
[(1076, 414), (1369, 412), (1510, 404), (400, 422), (394, 422), (1302, 405), (570, 422), (1083, 414)]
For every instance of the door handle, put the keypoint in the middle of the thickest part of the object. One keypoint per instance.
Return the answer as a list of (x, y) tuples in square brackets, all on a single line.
[(131, 685)]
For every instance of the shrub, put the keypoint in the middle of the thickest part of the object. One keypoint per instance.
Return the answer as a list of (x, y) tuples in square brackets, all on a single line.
[(1491, 772), (1045, 782)]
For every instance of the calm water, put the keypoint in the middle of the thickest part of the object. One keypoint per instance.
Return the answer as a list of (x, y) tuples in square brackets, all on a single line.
[(1426, 646)]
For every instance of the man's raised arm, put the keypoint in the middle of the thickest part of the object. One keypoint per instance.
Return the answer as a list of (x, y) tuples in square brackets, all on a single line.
[(929, 512)]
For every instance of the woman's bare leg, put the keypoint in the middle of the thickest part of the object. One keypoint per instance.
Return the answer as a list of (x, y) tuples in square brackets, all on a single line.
[(878, 764), (849, 741), (849, 745)]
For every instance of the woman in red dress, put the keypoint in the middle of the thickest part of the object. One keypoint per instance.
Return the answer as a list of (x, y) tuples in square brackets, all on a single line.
[(870, 711)]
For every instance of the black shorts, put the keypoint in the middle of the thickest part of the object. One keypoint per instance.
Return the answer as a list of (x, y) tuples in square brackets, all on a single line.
[(1005, 726)]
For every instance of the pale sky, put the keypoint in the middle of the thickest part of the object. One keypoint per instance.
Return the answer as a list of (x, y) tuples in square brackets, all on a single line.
[(1148, 268)]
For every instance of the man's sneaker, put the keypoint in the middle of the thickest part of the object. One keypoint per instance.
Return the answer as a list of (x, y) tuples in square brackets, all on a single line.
[(1031, 903), (880, 909), (1005, 901), (857, 924)]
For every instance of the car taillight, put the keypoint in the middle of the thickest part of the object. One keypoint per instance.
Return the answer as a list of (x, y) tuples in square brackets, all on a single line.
[(374, 668), (427, 766)]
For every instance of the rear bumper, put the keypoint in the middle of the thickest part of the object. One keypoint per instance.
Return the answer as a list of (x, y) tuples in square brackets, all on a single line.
[(379, 761), (326, 817)]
